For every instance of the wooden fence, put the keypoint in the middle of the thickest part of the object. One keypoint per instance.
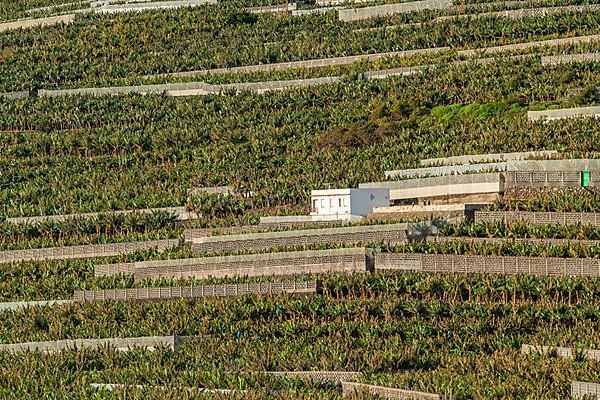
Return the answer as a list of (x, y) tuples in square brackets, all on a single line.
[(203, 291), (84, 251), (350, 388), (120, 344), (538, 218), (497, 265)]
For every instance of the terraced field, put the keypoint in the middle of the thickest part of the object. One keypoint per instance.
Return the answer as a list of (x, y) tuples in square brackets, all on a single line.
[(236, 308)]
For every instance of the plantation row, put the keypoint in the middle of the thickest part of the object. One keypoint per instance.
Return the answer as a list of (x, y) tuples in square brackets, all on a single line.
[(223, 33), (419, 331), (340, 135)]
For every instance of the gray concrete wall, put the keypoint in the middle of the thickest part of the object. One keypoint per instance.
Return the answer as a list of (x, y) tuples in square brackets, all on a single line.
[(585, 390), (392, 234), (317, 376), (286, 263), (353, 388), (84, 251), (538, 218), (190, 292), (569, 165), (564, 352), (570, 58), (181, 212), (120, 344), (357, 14), (562, 113), (147, 6), (488, 158), (30, 23), (459, 169), (495, 265), (554, 179), (16, 305)]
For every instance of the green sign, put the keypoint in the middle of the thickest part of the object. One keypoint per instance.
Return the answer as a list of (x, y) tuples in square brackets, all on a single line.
[(585, 178)]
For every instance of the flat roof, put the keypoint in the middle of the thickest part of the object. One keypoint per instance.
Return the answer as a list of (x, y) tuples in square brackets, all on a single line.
[(330, 192)]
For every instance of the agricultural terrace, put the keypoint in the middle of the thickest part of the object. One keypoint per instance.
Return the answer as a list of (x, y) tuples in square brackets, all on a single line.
[(394, 303)]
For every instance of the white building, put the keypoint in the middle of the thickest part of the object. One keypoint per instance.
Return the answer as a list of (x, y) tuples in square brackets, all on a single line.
[(348, 203)]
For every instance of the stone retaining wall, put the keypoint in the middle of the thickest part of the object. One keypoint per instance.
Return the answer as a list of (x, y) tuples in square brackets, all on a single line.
[(357, 14), (392, 234), (538, 218), (353, 388), (287, 263), (565, 352), (462, 264), (203, 291), (120, 344), (84, 251), (585, 390)]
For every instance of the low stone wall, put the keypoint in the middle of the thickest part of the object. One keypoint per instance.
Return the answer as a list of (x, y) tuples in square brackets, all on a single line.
[(458, 169), (352, 388), (357, 14), (30, 23), (564, 352), (562, 113), (492, 157), (392, 233), (84, 251), (538, 218), (146, 6), (570, 58), (461, 264), (120, 344), (521, 179), (497, 241), (319, 376), (203, 291), (287, 263), (585, 390), (15, 305), (181, 213)]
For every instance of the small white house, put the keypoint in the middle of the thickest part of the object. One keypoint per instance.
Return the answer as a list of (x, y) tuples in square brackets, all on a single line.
[(347, 203)]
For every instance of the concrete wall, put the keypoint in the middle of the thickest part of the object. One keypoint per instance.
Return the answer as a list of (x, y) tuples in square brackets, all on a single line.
[(190, 292), (84, 251), (548, 179), (498, 241), (356, 14), (353, 388), (562, 113), (585, 390), (307, 220), (181, 212), (286, 263), (146, 6), (538, 218), (318, 376), (460, 264), (392, 234), (570, 58), (15, 305), (565, 352), (459, 169), (120, 344), (492, 157), (363, 201), (30, 23), (452, 185), (571, 165)]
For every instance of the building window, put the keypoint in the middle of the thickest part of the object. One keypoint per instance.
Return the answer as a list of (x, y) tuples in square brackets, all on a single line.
[(314, 205), (340, 202), (345, 202), (330, 202), (322, 203)]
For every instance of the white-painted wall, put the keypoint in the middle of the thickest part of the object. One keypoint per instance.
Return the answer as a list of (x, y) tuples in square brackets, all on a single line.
[(348, 202)]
